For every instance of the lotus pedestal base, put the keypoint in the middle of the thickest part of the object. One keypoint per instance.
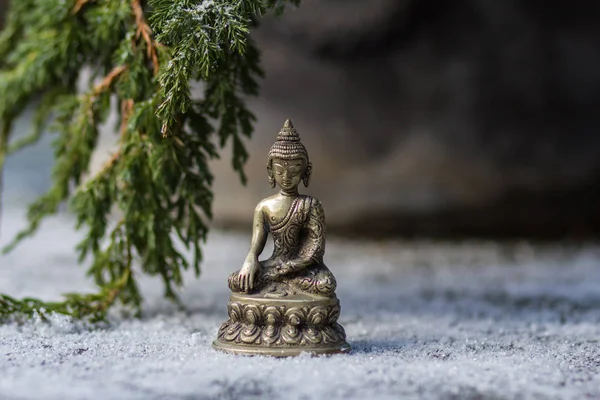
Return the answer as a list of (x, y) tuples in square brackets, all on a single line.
[(282, 326)]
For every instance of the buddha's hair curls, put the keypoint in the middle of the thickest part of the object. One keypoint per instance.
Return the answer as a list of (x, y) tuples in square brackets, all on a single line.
[(288, 145), (288, 151)]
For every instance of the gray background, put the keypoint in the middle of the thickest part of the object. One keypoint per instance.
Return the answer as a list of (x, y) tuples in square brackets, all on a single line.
[(431, 117)]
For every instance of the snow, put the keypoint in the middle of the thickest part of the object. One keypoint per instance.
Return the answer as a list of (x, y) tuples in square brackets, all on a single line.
[(440, 326), (426, 319)]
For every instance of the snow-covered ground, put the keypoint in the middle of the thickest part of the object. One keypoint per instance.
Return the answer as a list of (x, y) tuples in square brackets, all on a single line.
[(427, 320)]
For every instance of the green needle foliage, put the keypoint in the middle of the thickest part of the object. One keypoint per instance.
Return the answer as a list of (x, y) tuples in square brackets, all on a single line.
[(144, 56)]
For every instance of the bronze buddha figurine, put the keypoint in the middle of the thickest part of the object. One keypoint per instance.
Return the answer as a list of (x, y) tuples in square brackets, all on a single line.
[(285, 304), (297, 224)]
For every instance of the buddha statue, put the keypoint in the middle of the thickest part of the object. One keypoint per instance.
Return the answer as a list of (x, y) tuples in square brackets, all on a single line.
[(297, 224), (286, 304)]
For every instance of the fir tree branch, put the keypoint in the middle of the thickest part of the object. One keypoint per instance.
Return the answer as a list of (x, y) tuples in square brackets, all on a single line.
[(41, 117), (92, 307), (144, 30), (159, 177), (71, 165)]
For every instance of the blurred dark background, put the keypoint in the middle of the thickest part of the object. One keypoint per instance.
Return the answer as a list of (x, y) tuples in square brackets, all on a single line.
[(433, 117)]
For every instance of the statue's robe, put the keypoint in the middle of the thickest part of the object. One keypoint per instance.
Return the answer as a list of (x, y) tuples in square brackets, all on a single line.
[(299, 246)]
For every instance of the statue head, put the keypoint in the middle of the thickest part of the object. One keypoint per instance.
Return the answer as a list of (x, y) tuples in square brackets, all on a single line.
[(288, 163)]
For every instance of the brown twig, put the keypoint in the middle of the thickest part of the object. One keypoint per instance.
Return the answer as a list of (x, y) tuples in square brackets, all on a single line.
[(143, 30), (108, 80), (109, 163), (100, 88), (78, 5), (126, 110)]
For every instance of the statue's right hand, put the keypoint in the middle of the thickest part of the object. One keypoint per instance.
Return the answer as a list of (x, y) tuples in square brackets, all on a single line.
[(248, 273)]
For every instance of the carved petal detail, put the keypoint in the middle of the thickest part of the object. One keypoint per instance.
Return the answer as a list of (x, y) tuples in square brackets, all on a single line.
[(281, 326)]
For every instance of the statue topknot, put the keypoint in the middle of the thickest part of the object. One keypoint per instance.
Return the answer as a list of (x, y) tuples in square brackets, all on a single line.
[(288, 133)]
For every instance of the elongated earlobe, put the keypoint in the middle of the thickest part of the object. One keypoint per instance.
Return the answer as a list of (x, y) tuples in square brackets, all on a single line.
[(307, 174), (271, 177)]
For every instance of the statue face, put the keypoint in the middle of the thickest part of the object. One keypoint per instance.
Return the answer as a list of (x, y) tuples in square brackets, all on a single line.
[(288, 173)]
